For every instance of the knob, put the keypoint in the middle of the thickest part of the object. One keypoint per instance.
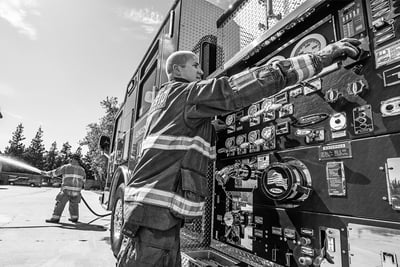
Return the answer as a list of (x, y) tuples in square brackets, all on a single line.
[(304, 241), (332, 95), (305, 261), (357, 88), (244, 145), (259, 142)]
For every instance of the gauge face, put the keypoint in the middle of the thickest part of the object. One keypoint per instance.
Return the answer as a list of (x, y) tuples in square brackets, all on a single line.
[(266, 103), (309, 44), (275, 58), (252, 110), (229, 142), (253, 136), (229, 119), (239, 139), (267, 133)]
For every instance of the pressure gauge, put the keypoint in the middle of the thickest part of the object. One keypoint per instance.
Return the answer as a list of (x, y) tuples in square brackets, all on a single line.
[(240, 140), (229, 119), (229, 142), (268, 132), (309, 44), (252, 109), (253, 136), (275, 58)]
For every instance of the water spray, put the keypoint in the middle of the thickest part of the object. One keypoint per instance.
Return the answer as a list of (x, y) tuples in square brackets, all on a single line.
[(25, 166), (19, 164)]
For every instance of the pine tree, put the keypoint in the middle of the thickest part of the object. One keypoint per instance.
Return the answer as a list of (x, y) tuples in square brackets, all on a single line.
[(51, 157), (65, 154), (34, 153), (16, 148)]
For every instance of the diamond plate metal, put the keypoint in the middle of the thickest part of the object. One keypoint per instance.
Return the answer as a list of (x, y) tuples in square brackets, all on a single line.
[(197, 234), (248, 22)]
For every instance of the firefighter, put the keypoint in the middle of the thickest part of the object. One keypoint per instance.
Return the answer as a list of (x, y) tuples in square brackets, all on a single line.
[(169, 184), (73, 180)]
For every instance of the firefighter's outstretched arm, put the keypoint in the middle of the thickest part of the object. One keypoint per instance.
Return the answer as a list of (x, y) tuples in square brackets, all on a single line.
[(290, 71)]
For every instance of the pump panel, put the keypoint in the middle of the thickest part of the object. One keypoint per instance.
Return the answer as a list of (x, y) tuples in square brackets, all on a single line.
[(305, 176)]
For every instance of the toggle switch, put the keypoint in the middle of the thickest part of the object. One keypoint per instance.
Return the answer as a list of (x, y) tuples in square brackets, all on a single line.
[(307, 261)]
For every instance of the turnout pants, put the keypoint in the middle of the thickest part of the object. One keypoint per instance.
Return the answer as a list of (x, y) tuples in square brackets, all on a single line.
[(151, 248), (62, 198)]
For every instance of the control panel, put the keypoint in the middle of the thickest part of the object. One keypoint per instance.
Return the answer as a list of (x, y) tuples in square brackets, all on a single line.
[(311, 175)]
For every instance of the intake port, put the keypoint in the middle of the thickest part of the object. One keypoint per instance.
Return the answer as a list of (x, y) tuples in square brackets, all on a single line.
[(287, 181)]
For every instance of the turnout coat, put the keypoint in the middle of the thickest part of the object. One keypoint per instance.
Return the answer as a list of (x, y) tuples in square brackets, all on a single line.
[(168, 182)]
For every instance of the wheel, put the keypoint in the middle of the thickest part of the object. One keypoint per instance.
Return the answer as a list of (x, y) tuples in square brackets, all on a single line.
[(11, 183), (117, 220), (32, 185)]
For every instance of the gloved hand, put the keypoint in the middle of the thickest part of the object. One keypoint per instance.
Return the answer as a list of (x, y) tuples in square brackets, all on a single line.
[(340, 50)]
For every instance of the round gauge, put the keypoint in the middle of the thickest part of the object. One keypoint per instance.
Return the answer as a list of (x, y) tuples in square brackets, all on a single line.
[(275, 58), (239, 139), (266, 103), (253, 136), (229, 119), (309, 44), (267, 133), (229, 142), (252, 110)]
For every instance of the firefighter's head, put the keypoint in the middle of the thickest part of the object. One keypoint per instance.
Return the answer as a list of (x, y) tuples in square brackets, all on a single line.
[(185, 65), (75, 158)]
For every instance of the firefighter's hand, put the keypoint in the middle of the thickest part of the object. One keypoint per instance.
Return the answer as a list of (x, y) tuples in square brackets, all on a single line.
[(219, 125), (340, 50)]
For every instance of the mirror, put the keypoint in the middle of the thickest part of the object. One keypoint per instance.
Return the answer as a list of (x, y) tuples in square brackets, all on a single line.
[(104, 143)]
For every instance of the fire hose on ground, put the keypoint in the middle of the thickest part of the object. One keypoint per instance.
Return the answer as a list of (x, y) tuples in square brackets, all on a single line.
[(92, 211)]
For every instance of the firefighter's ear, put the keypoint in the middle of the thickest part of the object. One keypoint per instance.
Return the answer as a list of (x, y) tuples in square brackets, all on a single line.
[(176, 70)]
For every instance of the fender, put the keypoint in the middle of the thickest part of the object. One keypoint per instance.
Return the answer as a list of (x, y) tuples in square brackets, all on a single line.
[(121, 176)]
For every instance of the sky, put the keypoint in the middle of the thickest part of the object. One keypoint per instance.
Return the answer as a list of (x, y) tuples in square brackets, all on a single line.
[(60, 59)]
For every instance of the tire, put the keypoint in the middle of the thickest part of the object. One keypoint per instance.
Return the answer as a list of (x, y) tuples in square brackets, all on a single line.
[(32, 185), (11, 183), (117, 220)]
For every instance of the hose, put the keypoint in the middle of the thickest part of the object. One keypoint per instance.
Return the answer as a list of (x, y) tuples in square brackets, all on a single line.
[(98, 215)]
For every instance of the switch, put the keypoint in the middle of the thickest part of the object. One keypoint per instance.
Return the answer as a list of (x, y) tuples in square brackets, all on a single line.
[(330, 244), (304, 241), (389, 259), (307, 261), (274, 250), (288, 257)]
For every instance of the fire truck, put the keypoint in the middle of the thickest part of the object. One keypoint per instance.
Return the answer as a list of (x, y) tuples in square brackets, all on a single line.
[(309, 176)]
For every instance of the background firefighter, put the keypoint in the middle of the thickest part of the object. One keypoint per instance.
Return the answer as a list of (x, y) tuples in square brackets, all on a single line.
[(73, 180), (168, 184)]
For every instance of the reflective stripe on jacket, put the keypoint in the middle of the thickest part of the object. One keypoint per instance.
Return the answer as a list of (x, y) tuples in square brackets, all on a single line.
[(73, 176), (169, 180)]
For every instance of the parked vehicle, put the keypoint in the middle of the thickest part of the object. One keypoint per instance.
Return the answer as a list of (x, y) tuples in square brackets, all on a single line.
[(23, 180)]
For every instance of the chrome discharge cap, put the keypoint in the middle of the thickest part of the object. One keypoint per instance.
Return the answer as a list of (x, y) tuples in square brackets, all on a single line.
[(288, 180)]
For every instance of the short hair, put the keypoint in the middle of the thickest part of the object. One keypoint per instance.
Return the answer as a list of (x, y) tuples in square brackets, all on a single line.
[(75, 156), (178, 58)]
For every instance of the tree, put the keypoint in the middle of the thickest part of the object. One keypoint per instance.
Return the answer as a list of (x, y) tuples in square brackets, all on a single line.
[(51, 158), (34, 153), (16, 148), (64, 155), (95, 130)]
